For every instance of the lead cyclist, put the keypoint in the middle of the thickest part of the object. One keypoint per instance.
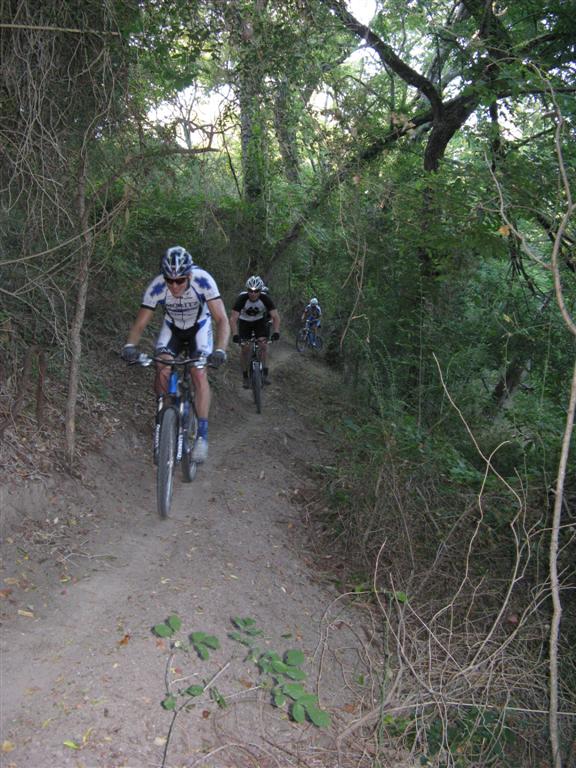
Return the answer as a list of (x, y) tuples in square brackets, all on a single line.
[(190, 300)]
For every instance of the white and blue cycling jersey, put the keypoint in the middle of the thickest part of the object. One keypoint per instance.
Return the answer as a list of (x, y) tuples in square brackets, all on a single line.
[(313, 312), (188, 312)]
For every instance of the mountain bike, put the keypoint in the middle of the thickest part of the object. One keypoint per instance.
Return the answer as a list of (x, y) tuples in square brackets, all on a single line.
[(255, 372), (308, 338), (175, 428)]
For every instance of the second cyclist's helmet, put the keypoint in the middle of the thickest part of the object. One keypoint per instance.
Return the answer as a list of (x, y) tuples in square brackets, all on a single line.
[(176, 262), (254, 283), (314, 302)]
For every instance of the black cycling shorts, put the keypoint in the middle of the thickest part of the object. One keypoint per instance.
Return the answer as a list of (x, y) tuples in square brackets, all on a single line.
[(260, 328)]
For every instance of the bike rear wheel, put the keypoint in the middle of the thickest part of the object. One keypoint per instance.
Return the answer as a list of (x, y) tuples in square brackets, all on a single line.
[(166, 461), (301, 340), (189, 466), (256, 376)]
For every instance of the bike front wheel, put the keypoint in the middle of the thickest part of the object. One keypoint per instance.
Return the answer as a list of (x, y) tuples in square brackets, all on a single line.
[(317, 343), (256, 376), (189, 466), (166, 461), (301, 340)]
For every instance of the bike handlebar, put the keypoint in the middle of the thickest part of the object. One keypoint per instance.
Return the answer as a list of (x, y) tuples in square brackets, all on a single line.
[(200, 361), (252, 339)]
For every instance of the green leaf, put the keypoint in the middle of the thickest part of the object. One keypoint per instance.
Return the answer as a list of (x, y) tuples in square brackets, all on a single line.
[(203, 652), (298, 712), (212, 642), (236, 636), (294, 658), (294, 673), (71, 744), (293, 690), (163, 630), (174, 622), (402, 597), (243, 624), (198, 637), (308, 700), (169, 702), (279, 666), (194, 690), (278, 698), (216, 696), (320, 718), (254, 632)]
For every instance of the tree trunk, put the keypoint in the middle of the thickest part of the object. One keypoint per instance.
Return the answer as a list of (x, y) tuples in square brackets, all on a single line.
[(283, 123), (75, 338)]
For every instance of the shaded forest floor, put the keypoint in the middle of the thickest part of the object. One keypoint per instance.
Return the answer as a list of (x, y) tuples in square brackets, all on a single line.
[(88, 569)]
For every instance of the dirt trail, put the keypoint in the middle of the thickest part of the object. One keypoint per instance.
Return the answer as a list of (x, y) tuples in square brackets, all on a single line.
[(88, 569)]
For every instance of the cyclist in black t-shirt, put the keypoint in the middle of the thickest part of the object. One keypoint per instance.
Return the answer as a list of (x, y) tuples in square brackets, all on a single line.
[(252, 311)]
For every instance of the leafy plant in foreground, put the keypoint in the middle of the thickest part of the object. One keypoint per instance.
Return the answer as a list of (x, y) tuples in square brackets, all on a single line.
[(284, 673)]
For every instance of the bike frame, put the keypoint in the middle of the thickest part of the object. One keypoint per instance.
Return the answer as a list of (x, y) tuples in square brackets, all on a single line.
[(255, 372), (311, 328), (176, 412)]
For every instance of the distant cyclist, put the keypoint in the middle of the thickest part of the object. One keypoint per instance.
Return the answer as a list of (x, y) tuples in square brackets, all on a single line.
[(252, 311), (312, 316), (190, 300)]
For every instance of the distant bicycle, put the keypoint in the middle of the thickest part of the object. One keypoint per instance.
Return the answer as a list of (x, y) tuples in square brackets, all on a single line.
[(308, 338), (176, 427)]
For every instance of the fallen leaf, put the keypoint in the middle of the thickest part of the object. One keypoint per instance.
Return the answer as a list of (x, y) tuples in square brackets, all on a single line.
[(159, 741), (25, 613), (504, 230), (71, 744), (5, 592), (205, 713), (8, 746), (351, 708), (125, 640)]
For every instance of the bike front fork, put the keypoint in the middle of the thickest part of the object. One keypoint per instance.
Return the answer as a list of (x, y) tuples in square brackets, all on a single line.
[(157, 424), (183, 422)]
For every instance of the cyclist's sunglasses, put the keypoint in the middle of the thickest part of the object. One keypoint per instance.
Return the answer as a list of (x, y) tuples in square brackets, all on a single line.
[(176, 280)]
